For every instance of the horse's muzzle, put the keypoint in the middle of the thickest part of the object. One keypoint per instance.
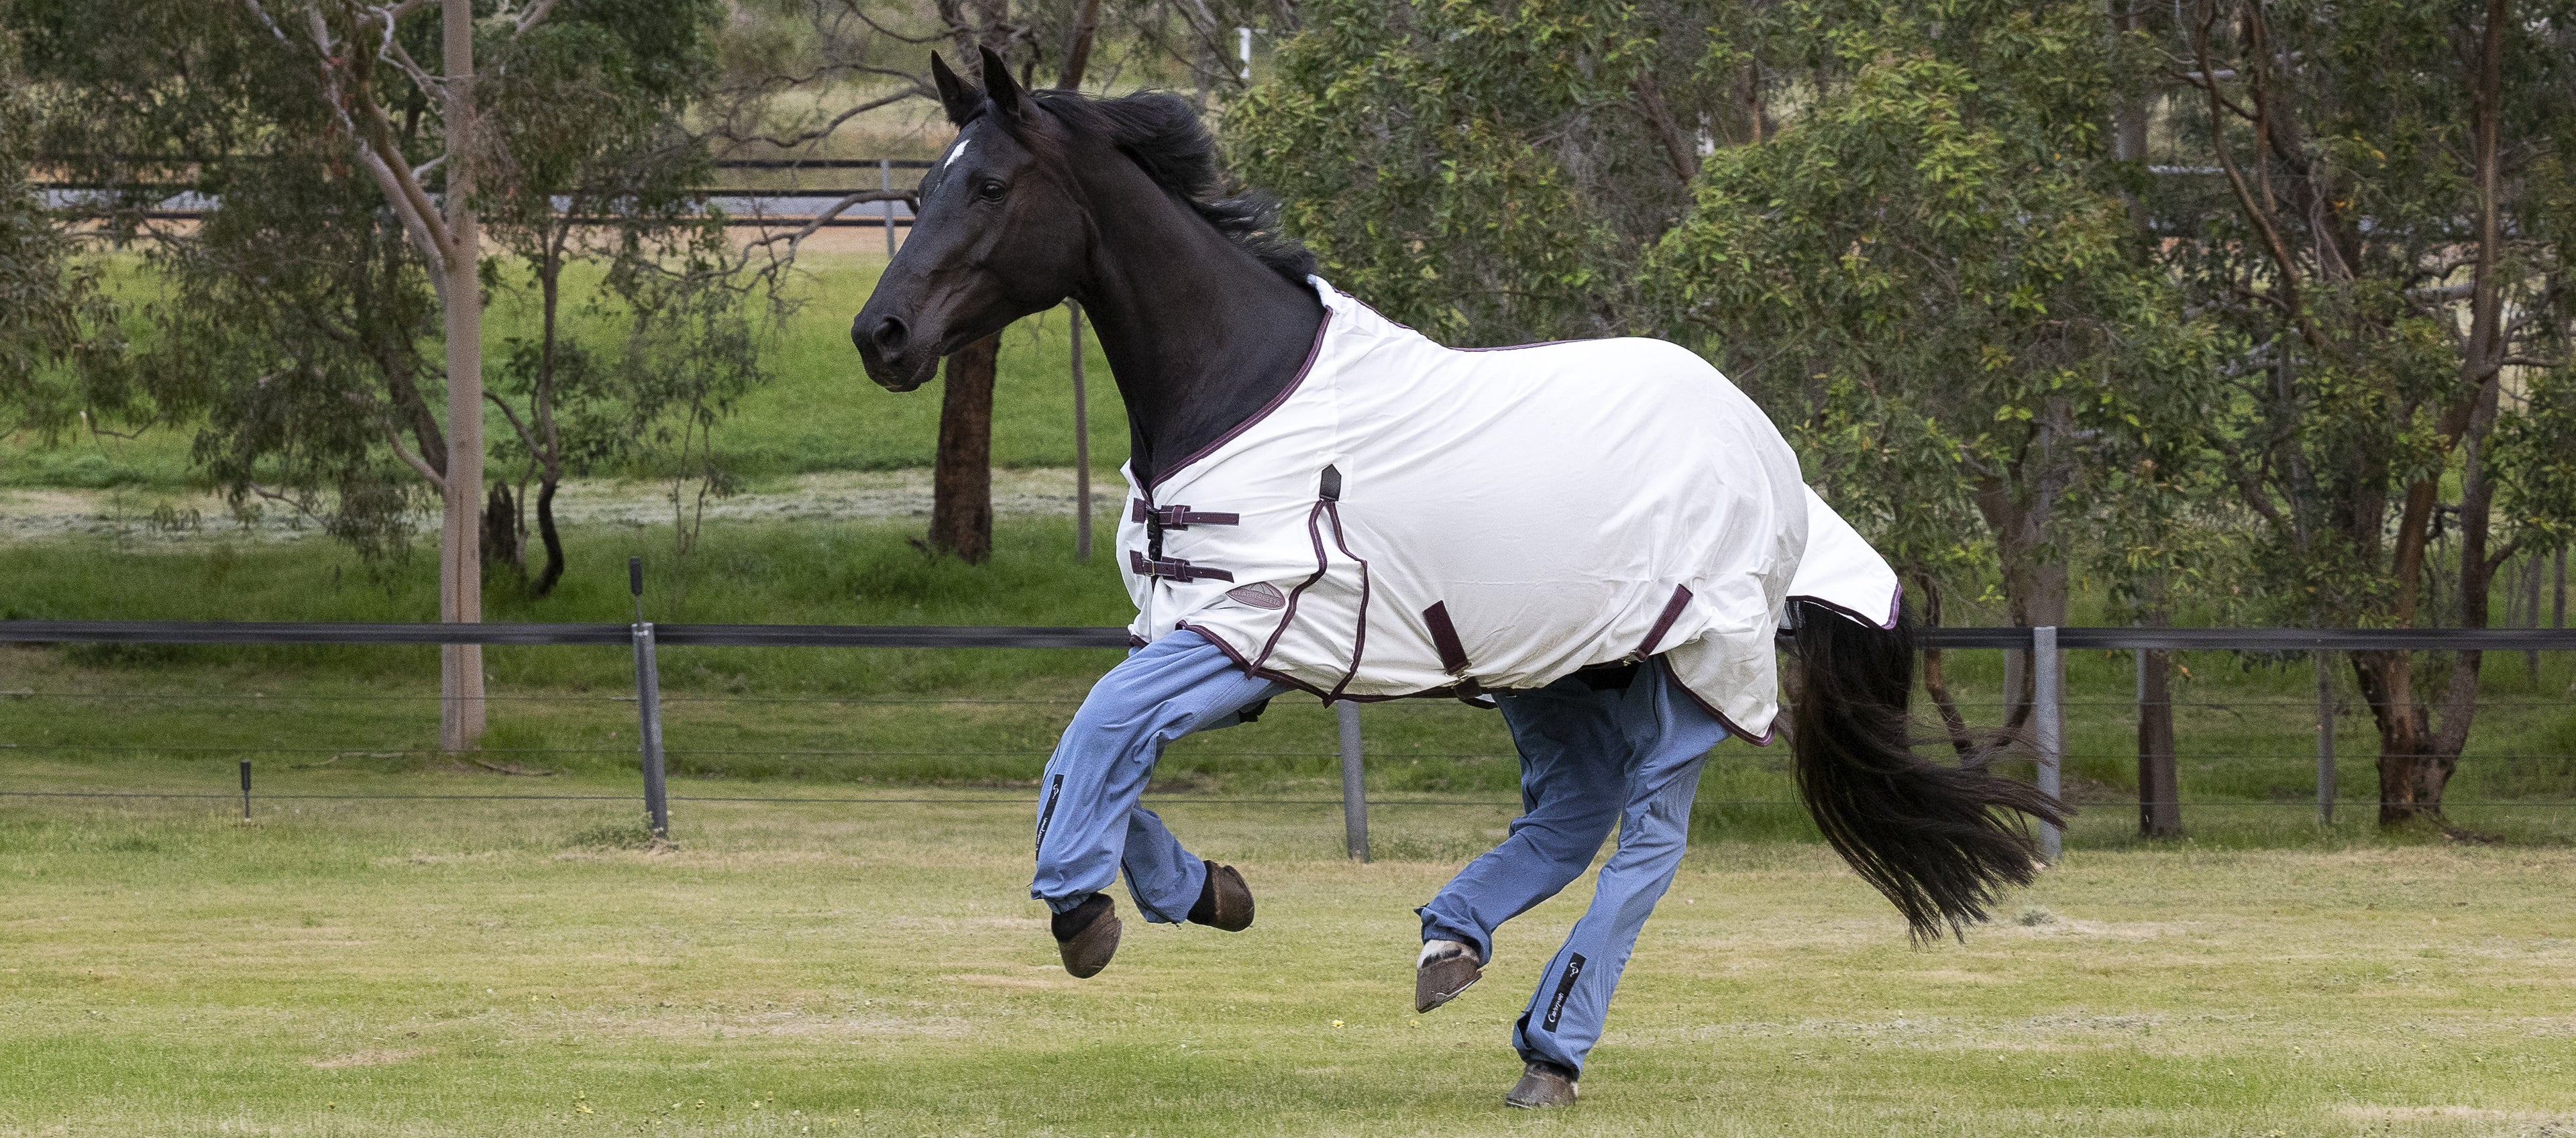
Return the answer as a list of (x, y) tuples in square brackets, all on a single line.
[(888, 349)]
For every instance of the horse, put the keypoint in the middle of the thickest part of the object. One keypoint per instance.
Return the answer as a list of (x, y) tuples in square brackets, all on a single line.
[(1604, 540)]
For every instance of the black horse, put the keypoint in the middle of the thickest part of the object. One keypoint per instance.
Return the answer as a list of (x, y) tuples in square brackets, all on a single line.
[(1208, 319)]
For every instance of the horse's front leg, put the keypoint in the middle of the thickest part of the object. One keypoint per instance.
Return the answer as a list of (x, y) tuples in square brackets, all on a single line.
[(1091, 822)]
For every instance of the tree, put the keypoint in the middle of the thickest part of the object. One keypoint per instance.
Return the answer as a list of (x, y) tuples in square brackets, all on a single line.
[(591, 162), (1930, 273), (2383, 220), (62, 353), (318, 133), (1897, 226), (298, 316), (1490, 174)]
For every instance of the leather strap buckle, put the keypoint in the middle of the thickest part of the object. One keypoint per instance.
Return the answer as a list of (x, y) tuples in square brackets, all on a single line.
[(1177, 517), (1173, 568)]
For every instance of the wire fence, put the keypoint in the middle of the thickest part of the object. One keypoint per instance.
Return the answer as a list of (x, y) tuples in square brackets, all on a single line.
[(2043, 652)]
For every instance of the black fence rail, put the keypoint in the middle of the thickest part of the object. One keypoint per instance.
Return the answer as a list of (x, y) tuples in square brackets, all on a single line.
[(2042, 646)]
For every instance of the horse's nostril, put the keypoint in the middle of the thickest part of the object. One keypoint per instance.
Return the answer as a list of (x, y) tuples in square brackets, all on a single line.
[(890, 335)]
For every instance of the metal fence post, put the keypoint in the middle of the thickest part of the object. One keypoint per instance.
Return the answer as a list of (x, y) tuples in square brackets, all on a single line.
[(2325, 738), (648, 705), (1354, 791), (2045, 680), (885, 182), (1081, 440), (245, 773)]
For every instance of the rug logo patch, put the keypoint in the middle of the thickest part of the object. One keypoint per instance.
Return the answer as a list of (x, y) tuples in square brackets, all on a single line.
[(1259, 594), (1564, 988)]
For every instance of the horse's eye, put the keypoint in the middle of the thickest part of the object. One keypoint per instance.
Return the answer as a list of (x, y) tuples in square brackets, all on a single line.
[(989, 190)]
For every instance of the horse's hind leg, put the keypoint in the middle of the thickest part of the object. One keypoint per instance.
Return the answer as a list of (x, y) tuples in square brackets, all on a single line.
[(1089, 822), (1669, 738), (1571, 754)]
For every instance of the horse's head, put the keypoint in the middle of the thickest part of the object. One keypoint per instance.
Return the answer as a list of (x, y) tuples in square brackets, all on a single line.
[(998, 234)]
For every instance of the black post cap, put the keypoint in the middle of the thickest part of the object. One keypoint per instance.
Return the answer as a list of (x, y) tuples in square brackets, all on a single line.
[(635, 576)]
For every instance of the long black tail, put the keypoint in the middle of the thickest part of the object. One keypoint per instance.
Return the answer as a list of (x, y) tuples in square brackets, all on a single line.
[(1928, 836)]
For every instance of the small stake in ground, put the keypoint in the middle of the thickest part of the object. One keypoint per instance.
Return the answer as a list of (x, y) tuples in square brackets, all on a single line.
[(648, 705), (245, 771)]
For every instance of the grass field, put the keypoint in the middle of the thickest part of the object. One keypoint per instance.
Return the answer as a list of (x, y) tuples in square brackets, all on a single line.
[(355, 968), (819, 411), (988, 717)]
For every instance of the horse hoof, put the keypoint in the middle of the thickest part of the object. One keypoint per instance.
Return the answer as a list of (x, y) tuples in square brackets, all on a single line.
[(1542, 1085), (1225, 902), (1446, 969), (1087, 936)]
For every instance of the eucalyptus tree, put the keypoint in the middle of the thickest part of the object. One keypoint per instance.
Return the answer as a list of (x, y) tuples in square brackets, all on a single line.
[(62, 353), (1930, 272), (590, 161), (1491, 173), (330, 302), (2376, 199), (1898, 225)]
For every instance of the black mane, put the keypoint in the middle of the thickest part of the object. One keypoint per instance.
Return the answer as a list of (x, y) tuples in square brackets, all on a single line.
[(1165, 137)]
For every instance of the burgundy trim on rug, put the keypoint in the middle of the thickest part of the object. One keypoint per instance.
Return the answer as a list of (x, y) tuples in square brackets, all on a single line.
[(1249, 668), (1359, 636), (1299, 380), (1289, 613), (1664, 623), (1725, 722)]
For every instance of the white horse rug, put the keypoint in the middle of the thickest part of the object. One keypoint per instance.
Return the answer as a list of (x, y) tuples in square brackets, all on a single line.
[(1408, 519)]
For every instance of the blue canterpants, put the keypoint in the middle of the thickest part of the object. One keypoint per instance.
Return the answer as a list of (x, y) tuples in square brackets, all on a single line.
[(1588, 759), (1090, 825)]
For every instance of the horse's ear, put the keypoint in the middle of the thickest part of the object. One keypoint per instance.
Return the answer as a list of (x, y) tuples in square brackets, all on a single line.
[(1001, 88), (961, 101)]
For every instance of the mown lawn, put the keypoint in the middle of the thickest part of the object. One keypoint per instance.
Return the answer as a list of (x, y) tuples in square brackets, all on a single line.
[(818, 412), (356, 968), (988, 717)]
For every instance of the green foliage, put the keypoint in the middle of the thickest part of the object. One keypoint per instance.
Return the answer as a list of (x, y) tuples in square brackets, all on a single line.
[(295, 328), (2362, 407), (1482, 172), (1927, 274), (61, 349)]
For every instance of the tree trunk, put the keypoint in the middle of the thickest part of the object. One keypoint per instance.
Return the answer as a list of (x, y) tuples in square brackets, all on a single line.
[(2035, 582), (1077, 54), (2387, 681), (554, 569), (460, 579), (501, 531), (961, 496), (2159, 786), (1928, 610), (2416, 763)]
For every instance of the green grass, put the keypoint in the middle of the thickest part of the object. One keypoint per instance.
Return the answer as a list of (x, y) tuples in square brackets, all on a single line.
[(506, 968), (819, 411), (988, 717)]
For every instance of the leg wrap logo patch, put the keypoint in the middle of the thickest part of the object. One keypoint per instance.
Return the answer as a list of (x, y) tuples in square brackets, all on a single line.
[(1054, 789), (1564, 988)]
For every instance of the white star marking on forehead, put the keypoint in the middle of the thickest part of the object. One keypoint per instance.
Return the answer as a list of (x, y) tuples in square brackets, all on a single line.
[(952, 155)]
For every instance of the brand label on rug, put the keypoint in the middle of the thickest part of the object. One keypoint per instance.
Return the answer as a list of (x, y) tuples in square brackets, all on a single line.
[(1564, 988), (1259, 594)]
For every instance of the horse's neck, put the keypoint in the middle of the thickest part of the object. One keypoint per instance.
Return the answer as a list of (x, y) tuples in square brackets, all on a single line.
[(1199, 334)]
